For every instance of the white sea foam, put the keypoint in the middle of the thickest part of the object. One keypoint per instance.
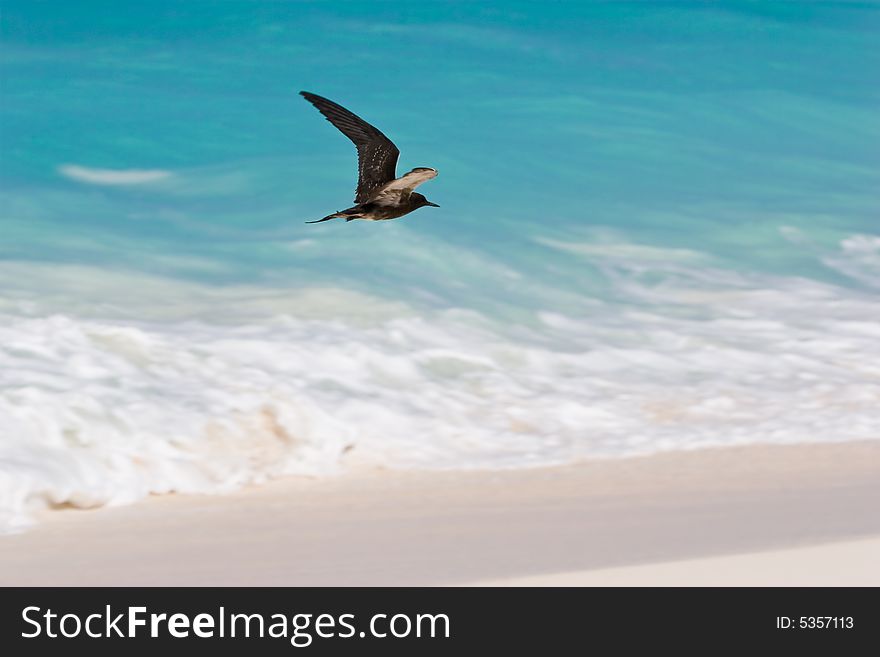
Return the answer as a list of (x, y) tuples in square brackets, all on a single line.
[(107, 406), (859, 258), (112, 176)]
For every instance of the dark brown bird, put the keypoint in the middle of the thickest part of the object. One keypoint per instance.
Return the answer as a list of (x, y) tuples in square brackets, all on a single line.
[(380, 193)]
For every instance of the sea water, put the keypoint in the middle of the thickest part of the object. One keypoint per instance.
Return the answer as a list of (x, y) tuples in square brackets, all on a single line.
[(658, 231)]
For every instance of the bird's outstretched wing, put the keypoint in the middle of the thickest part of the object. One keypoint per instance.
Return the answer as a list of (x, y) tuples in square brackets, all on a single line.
[(377, 155), (398, 191)]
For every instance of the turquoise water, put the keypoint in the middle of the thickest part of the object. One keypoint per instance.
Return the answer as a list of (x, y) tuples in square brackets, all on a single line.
[(684, 125), (658, 230)]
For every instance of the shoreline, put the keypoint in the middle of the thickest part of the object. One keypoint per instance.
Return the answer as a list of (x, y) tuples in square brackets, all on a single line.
[(523, 527)]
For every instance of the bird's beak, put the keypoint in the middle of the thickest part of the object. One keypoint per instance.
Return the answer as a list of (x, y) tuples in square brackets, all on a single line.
[(433, 205)]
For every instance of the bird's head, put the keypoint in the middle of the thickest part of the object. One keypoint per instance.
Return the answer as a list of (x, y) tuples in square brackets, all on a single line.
[(421, 201)]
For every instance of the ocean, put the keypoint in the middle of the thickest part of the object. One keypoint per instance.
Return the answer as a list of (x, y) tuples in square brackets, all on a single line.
[(659, 230)]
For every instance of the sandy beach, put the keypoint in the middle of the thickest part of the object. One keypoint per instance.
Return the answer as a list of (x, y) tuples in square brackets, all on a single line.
[(799, 515)]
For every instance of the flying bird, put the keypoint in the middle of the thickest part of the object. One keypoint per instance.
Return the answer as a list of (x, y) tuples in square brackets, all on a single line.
[(380, 193)]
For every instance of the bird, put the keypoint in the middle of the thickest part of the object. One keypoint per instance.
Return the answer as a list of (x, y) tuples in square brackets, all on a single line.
[(380, 194)]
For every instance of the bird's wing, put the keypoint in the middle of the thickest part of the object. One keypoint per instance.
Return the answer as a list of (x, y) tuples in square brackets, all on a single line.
[(398, 190), (377, 155)]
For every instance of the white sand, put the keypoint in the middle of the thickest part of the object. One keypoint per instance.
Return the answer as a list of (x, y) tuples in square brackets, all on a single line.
[(800, 515), (849, 563)]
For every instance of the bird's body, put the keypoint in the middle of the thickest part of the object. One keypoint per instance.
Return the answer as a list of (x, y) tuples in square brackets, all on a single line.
[(380, 193)]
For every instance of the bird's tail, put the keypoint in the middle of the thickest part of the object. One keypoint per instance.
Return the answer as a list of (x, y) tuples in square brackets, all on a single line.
[(327, 218), (345, 214)]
